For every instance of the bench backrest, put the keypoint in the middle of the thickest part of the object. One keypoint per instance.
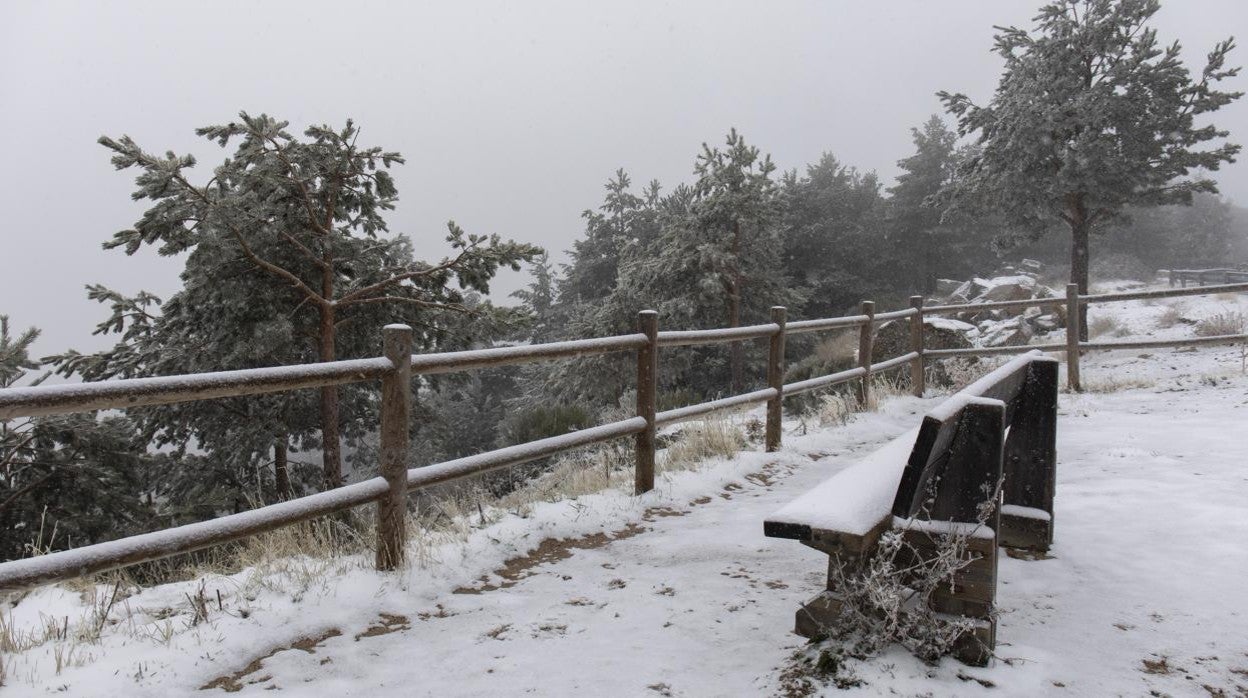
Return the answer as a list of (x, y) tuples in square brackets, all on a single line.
[(1003, 425)]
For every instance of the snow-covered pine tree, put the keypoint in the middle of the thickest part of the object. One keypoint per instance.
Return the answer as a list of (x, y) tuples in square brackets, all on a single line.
[(925, 243), (308, 215), (830, 224), (538, 299), (717, 260), (1091, 115), (67, 480)]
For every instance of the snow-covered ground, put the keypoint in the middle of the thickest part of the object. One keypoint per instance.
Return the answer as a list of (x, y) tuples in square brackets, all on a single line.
[(679, 593)]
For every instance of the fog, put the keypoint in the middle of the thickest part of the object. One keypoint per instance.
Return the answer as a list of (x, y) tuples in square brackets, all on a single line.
[(511, 115)]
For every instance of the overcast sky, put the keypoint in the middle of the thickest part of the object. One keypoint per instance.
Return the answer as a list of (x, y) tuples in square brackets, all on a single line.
[(511, 115)]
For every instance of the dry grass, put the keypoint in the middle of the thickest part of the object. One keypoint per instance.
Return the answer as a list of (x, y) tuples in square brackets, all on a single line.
[(702, 441), (1113, 384), (296, 559), (1229, 322), (1103, 325), (1171, 316), (834, 409), (838, 347)]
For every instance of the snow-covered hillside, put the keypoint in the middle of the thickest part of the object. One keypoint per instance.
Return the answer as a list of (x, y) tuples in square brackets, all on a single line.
[(678, 592)]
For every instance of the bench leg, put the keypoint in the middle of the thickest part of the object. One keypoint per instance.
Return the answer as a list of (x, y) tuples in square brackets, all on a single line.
[(1026, 532), (817, 615)]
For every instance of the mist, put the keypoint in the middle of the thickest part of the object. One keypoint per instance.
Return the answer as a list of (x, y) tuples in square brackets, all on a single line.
[(511, 116)]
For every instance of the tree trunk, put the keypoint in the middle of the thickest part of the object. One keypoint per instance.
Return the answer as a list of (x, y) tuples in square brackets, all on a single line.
[(1079, 230), (331, 453), (281, 474)]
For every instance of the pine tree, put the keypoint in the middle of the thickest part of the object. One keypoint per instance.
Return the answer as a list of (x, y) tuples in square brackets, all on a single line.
[(719, 257), (68, 480), (1091, 115), (624, 223), (307, 215), (927, 242), (831, 231), (538, 299)]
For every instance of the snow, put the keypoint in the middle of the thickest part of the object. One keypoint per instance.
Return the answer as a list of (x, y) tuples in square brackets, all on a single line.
[(1148, 564), (944, 323), (858, 497), (1017, 280), (1025, 512), (945, 528)]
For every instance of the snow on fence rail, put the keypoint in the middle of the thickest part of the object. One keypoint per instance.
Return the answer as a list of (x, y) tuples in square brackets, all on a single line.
[(398, 365)]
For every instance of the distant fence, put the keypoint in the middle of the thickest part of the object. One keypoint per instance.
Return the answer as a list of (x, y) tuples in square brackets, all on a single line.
[(1180, 277), (395, 370)]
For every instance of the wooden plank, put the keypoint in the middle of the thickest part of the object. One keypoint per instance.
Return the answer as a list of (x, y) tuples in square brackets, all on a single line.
[(918, 379), (396, 398), (866, 340), (929, 455), (1030, 468), (973, 471), (775, 380)]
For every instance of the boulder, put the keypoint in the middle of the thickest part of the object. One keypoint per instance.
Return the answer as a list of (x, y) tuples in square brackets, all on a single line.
[(969, 291), (1009, 288), (892, 338), (945, 287), (1006, 333)]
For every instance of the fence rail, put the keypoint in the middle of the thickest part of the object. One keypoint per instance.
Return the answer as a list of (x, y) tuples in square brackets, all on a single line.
[(1074, 304), (397, 367)]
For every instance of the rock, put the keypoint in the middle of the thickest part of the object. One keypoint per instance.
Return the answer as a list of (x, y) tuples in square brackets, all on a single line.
[(945, 287), (1014, 332), (892, 338), (969, 290), (1009, 288), (1048, 323)]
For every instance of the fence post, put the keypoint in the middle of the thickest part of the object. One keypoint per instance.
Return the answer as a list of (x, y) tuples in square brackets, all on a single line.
[(647, 397), (918, 380), (775, 378), (1072, 338), (1171, 278), (866, 336), (396, 398)]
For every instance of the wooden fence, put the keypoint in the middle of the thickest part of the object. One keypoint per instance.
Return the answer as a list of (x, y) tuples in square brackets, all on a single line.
[(396, 369), (1180, 277)]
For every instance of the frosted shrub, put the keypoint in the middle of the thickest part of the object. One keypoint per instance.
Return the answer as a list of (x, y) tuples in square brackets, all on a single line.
[(885, 600), (886, 597)]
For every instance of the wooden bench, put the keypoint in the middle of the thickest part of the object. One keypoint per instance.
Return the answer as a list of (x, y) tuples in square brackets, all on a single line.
[(993, 442)]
